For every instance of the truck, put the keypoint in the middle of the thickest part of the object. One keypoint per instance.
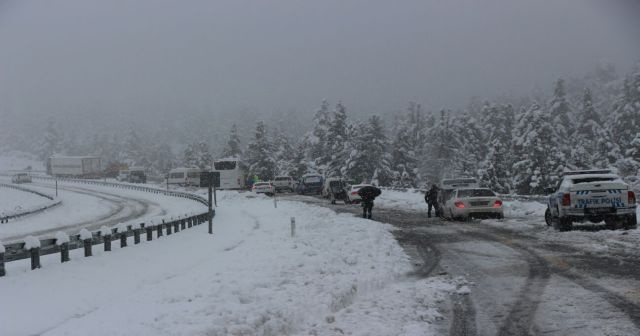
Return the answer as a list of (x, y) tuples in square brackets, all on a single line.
[(281, 183), (591, 196), (132, 175), (75, 166), (310, 184)]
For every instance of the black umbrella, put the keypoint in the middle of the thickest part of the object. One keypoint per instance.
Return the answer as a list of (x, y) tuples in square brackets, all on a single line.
[(369, 192)]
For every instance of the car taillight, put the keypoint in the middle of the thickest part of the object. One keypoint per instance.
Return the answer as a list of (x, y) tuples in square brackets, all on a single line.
[(632, 197), (566, 199), (497, 204), (459, 204), (354, 193)]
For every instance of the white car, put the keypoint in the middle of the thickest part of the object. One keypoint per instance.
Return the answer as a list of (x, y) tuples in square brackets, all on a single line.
[(263, 188), (352, 193), (473, 203), (594, 196), (282, 183)]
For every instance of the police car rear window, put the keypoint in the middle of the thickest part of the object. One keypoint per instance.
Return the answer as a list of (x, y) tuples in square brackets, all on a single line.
[(475, 193), (592, 179)]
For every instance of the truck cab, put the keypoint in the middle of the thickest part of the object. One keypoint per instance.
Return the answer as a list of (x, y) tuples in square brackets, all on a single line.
[(593, 196)]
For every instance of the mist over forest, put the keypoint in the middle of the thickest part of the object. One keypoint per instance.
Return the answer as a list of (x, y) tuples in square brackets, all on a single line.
[(161, 85)]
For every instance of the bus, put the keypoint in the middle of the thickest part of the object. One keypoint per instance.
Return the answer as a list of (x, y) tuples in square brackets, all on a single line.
[(231, 174)]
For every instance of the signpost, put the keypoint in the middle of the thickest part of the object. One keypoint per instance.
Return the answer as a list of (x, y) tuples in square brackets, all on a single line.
[(212, 181)]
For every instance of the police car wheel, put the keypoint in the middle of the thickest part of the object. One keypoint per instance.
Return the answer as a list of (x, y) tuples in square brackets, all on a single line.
[(547, 217)]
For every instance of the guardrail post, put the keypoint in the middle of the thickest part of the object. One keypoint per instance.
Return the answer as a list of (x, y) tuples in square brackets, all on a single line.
[(183, 224), (159, 229), (3, 272), (169, 228), (176, 226), (190, 222), (87, 247), (123, 239), (35, 257), (64, 252), (149, 230), (136, 236), (107, 242)]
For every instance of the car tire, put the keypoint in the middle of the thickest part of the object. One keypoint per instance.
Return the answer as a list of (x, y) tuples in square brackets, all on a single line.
[(548, 218), (631, 222)]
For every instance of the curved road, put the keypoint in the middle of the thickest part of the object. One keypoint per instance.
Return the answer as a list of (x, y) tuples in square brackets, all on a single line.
[(522, 284), (122, 209)]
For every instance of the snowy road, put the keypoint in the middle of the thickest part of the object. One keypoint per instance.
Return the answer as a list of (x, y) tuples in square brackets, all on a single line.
[(91, 206), (526, 278)]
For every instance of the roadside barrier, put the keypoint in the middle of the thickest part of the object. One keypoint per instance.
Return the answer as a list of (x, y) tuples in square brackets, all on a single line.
[(4, 218), (33, 248)]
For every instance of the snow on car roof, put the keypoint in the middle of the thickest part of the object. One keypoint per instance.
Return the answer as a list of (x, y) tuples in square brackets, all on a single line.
[(586, 176)]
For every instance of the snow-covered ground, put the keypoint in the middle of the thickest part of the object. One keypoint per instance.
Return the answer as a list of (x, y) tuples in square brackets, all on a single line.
[(338, 274), (15, 201)]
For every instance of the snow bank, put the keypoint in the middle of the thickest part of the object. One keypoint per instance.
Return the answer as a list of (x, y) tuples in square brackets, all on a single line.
[(61, 238), (249, 278), (412, 200), (31, 242), (2, 249), (517, 208)]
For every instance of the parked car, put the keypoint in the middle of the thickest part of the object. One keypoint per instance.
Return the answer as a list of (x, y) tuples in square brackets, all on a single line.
[(594, 196), (281, 183), (326, 186), (352, 193), (310, 184), (263, 188), (469, 203), (21, 178), (132, 175)]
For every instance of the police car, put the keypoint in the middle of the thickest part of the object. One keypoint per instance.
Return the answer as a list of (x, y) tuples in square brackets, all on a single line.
[(594, 196)]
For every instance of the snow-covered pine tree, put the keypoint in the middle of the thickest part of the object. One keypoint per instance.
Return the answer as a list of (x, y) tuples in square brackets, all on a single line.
[(593, 145), (441, 150), (407, 145), (336, 142), (560, 112), (51, 142), (131, 152), (233, 147), (203, 157), (496, 167), (259, 155), (539, 158), (317, 139), (473, 146), (284, 154), (301, 164), (161, 159), (189, 156), (626, 112)]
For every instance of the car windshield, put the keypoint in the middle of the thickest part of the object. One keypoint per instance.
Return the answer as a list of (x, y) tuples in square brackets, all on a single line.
[(313, 179), (475, 193), (224, 165), (262, 184)]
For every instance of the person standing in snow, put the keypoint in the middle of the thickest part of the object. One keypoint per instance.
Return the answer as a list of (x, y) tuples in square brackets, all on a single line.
[(431, 197), (368, 194)]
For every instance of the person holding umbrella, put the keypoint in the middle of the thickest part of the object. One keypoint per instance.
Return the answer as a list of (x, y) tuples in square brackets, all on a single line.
[(368, 194)]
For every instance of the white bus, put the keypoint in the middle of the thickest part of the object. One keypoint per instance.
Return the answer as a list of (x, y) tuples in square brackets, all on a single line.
[(231, 175), (184, 176)]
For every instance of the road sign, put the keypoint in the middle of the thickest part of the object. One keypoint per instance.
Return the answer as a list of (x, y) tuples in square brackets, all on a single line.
[(210, 177)]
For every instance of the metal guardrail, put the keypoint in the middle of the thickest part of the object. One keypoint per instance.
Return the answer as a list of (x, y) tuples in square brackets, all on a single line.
[(5, 218), (17, 250)]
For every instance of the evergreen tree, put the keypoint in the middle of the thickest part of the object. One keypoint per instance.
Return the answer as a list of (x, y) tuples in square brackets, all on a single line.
[(336, 143), (161, 159), (51, 142), (496, 168), (318, 139), (539, 159), (284, 154), (131, 152), (442, 149), (233, 147), (560, 112), (189, 157), (473, 146), (203, 157), (626, 113), (260, 155), (407, 145)]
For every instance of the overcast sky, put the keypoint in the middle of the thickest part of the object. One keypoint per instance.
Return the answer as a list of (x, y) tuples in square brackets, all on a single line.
[(84, 57)]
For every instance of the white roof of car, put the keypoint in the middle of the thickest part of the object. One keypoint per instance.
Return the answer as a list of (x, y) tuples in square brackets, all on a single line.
[(586, 176)]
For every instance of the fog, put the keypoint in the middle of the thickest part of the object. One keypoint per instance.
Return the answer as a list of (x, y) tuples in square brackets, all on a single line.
[(122, 62)]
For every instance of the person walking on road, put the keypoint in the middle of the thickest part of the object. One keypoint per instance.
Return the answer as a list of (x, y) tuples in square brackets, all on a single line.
[(368, 194), (431, 197)]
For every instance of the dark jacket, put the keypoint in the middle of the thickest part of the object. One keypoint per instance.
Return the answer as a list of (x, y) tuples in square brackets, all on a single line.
[(431, 197)]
